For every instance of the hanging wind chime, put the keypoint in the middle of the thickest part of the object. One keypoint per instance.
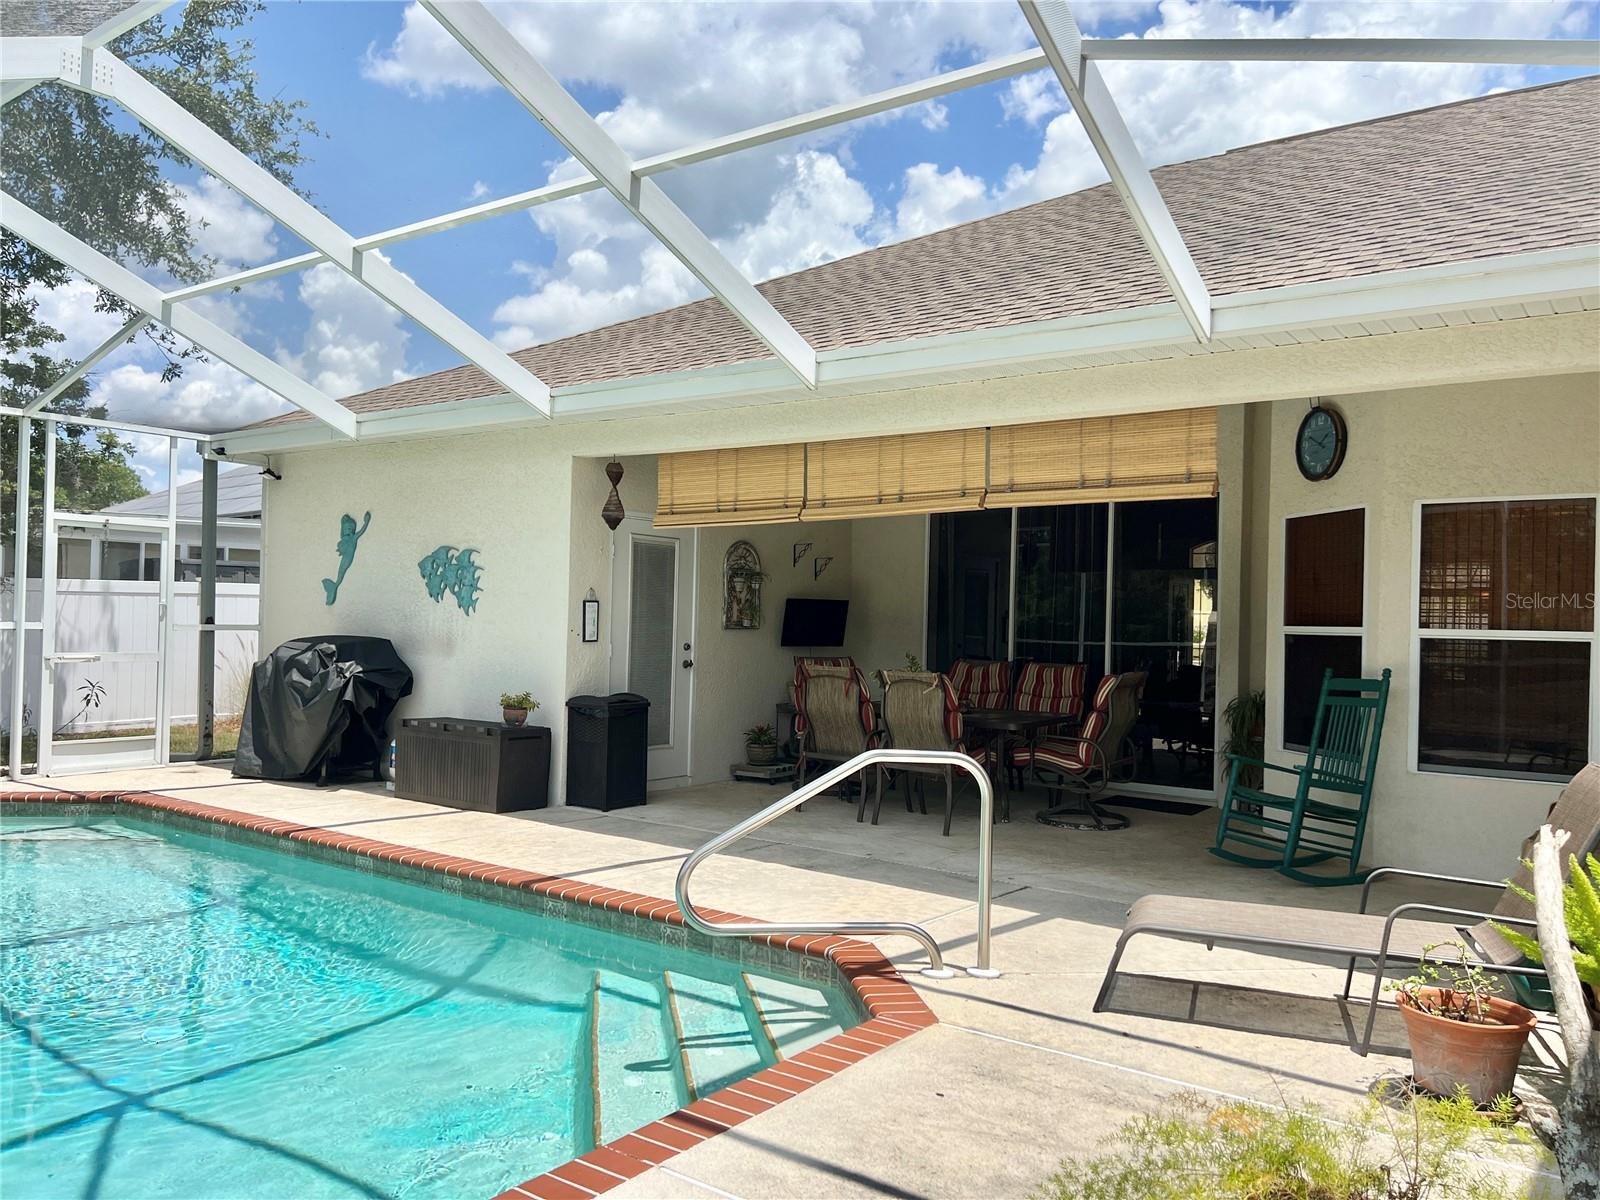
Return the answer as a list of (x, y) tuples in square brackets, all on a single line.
[(613, 512)]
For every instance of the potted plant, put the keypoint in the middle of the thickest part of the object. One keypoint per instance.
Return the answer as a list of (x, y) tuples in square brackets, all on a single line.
[(1463, 1037), (1246, 718), (761, 745), (1580, 900), (515, 707)]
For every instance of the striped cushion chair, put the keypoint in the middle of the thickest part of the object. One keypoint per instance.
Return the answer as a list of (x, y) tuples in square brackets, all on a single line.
[(981, 684), (1100, 754), (1044, 688), (920, 712)]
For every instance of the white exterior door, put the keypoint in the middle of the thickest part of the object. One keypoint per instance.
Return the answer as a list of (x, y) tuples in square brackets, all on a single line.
[(652, 634)]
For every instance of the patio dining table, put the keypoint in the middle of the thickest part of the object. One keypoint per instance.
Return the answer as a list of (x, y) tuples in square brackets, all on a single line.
[(1006, 724)]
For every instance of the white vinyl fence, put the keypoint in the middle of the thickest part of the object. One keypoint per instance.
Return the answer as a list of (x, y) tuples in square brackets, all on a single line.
[(118, 621)]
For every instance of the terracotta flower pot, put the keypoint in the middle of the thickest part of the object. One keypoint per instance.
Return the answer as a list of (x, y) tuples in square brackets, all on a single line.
[(1482, 1058), (514, 716)]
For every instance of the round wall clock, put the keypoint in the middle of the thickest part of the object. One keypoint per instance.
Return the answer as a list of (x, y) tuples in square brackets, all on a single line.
[(1320, 443)]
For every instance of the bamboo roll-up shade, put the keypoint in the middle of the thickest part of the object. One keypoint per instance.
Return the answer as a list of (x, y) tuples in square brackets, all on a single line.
[(749, 486), (900, 473), (1141, 456)]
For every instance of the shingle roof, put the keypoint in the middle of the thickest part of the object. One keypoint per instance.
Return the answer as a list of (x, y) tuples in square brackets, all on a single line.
[(238, 496), (1500, 174)]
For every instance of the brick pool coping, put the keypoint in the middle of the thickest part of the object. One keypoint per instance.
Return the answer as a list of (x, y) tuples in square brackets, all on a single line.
[(894, 1010)]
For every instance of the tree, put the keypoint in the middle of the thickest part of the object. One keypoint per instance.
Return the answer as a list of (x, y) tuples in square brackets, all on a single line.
[(81, 162)]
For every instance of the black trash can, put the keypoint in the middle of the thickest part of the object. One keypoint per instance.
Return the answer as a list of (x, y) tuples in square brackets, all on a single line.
[(608, 741)]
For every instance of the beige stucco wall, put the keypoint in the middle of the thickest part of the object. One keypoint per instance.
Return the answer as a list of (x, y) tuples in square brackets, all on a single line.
[(528, 497), (1523, 437)]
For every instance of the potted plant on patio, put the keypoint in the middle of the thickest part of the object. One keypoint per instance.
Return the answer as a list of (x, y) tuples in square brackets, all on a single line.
[(1462, 1035), (515, 707), (1246, 719), (761, 745)]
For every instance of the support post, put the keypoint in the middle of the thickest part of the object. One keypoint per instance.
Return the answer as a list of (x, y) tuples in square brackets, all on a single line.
[(19, 598), (205, 686), (48, 568), (168, 569)]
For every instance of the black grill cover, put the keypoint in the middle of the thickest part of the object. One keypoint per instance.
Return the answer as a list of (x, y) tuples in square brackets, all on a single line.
[(320, 706)]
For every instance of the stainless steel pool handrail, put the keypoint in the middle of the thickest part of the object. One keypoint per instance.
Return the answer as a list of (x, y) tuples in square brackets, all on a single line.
[(870, 758)]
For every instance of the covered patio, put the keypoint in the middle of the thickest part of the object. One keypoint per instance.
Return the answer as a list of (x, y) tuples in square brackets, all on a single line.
[(1019, 1072)]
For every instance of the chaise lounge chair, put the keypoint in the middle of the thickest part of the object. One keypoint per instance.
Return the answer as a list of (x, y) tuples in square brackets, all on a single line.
[(1383, 939)]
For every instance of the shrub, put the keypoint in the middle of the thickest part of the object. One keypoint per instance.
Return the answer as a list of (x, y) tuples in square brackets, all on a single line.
[(518, 700), (760, 735), (1580, 899), (1201, 1149)]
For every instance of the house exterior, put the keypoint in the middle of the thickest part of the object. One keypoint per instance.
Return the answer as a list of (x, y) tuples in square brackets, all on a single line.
[(91, 555), (1017, 448)]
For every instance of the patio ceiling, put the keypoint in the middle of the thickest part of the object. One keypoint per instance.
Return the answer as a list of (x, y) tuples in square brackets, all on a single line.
[(50, 51)]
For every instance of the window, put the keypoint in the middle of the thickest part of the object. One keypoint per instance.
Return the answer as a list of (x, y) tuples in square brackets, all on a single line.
[(121, 560), (1505, 637), (1324, 611), (72, 558)]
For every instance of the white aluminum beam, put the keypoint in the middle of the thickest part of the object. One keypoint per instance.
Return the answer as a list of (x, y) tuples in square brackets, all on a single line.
[(87, 364), (1516, 52), (487, 40), (204, 439), (1059, 38), (115, 80), (210, 337)]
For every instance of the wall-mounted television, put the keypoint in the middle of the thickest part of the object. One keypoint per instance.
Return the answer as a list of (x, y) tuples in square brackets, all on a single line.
[(808, 622)]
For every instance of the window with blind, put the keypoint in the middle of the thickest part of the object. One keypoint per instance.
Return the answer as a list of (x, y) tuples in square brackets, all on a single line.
[(1324, 611), (1505, 634)]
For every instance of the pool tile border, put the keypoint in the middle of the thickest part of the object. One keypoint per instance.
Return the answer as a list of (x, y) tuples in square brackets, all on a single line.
[(893, 1008)]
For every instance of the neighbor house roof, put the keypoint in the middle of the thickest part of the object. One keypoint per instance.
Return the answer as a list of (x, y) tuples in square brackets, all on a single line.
[(1495, 175), (238, 497)]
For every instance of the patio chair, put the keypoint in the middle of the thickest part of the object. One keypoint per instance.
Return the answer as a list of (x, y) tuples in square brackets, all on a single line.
[(1088, 762), (1383, 939), (803, 665), (840, 720), (920, 712), (1296, 830), (1044, 688), (980, 684)]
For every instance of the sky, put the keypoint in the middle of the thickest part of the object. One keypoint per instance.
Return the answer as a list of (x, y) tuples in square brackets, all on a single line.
[(413, 127)]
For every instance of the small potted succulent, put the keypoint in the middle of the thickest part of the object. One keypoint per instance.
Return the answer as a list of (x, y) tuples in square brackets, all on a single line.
[(761, 745), (1462, 1035), (515, 707)]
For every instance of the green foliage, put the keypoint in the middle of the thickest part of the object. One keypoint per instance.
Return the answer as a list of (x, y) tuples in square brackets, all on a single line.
[(81, 162), (760, 735), (913, 663), (1580, 900), (1199, 1149), (1453, 987), (518, 700)]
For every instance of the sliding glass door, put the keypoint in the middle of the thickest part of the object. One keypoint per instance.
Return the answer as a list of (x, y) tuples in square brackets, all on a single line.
[(1129, 586)]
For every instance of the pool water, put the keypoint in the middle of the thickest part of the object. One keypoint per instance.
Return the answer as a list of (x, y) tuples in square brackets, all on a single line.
[(189, 1016)]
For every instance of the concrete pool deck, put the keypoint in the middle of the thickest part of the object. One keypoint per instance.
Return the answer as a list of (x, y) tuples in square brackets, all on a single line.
[(1019, 1073)]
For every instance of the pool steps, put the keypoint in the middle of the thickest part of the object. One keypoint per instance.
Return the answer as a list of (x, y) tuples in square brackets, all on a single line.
[(684, 1037)]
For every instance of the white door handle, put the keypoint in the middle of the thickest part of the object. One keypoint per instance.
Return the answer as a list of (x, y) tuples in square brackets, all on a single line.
[(74, 658)]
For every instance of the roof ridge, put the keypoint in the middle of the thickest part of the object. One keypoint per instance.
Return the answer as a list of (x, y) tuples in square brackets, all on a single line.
[(1395, 116)]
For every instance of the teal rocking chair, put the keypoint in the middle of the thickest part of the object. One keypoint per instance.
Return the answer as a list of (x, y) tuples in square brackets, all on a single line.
[(1296, 830)]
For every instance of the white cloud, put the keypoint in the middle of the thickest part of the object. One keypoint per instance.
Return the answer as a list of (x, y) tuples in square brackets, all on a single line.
[(935, 117), (1033, 97), (225, 226), (354, 341), (480, 189), (70, 310), (935, 199), (207, 396)]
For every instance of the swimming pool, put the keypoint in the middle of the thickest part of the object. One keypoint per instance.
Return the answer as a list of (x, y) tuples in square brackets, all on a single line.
[(189, 1015)]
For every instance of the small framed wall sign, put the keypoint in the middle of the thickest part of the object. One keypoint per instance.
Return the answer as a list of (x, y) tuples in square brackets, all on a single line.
[(591, 617)]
